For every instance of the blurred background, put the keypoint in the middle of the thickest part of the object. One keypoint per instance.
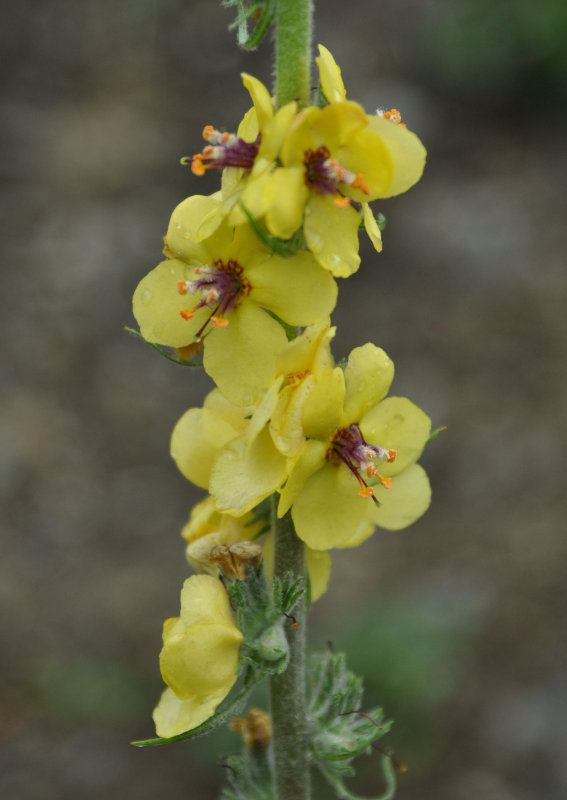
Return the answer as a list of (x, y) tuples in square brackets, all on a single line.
[(457, 623)]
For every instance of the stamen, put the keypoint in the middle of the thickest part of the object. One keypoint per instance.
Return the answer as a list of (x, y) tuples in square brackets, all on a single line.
[(350, 448), (323, 174), (393, 115), (221, 286), (223, 150)]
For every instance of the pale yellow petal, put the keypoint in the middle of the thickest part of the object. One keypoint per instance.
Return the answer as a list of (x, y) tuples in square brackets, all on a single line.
[(156, 305), (284, 199), (196, 440), (310, 459), (173, 715), (371, 227), (406, 501), (286, 423), (323, 409), (181, 239), (248, 128), (297, 289), (329, 512), (330, 76), (261, 99), (406, 154), (331, 234), (241, 357), (319, 570), (368, 376), (309, 351), (396, 423), (275, 132), (245, 473)]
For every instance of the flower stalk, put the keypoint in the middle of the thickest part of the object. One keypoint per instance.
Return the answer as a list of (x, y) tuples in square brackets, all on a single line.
[(293, 51), (287, 690)]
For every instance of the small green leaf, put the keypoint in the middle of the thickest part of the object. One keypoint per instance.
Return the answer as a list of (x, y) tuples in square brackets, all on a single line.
[(435, 433), (283, 247)]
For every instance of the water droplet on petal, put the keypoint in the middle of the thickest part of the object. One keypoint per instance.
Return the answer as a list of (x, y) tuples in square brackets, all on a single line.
[(146, 296)]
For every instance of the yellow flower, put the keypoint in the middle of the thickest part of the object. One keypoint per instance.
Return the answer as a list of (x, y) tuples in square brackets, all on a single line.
[(200, 657), (235, 281), (335, 491), (242, 436)]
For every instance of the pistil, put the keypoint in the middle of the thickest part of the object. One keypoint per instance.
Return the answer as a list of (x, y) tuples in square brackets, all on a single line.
[(323, 173)]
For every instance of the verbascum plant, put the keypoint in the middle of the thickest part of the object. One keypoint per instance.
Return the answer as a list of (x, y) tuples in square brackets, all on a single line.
[(298, 453)]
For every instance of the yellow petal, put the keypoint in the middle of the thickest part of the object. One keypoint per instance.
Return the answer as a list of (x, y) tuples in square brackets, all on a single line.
[(330, 76), (275, 132), (396, 423), (323, 409), (173, 715), (181, 238), (241, 357), (368, 376), (284, 198), (196, 440), (156, 305), (248, 128), (329, 512), (404, 502), (331, 234), (406, 154), (310, 459), (319, 570), (297, 289), (371, 227), (261, 99), (308, 351), (286, 423), (200, 654), (245, 473)]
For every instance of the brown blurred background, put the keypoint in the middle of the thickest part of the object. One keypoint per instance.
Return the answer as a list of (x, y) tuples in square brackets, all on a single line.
[(459, 622)]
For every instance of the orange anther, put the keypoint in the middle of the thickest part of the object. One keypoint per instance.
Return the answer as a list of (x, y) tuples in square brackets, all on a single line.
[(366, 491), (211, 295), (391, 456), (341, 202), (219, 322), (370, 470), (358, 183), (197, 167), (186, 314), (182, 287), (225, 136), (207, 131), (386, 482)]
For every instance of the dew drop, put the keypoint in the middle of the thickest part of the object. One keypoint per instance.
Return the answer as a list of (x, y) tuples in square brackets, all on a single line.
[(146, 296), (334, 260)]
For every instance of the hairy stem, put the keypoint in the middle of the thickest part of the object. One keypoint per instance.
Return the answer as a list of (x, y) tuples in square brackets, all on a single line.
[(293, 51), (287, 691)]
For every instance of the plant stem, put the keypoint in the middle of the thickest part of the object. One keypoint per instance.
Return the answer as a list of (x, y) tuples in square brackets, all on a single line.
[(287, 691), (293, 51)]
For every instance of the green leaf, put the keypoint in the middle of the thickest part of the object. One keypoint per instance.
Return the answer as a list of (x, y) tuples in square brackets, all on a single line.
[(263, 10), (435, 433), (283, 247), (161, 350)]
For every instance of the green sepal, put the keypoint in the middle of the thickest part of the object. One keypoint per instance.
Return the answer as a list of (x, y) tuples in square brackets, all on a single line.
[(250, 41), (435, 433), (226, 710), (380, 221), (282, 247), (161, 350)]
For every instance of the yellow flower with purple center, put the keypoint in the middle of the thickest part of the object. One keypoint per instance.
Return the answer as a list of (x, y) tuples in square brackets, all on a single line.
[(199, 659), (236, 286), (357, 468)]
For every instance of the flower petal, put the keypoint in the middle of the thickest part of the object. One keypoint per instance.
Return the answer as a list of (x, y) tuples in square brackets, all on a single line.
[(396, 423), (285, 195), (310, 459), (156, 305), (241, 357), (173, 715), (297, 289), (329, 512), (368, 376), (331, 234), (330, 76), (406, 154), (181, 239), (404, 502), (245, 473), (261, 99), (323, 409), (371, 227)]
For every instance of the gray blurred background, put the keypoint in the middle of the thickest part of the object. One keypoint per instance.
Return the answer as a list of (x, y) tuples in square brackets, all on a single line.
[(459, 622)]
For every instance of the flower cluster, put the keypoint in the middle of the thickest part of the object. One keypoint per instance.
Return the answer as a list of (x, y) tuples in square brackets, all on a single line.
[(249, 281)]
